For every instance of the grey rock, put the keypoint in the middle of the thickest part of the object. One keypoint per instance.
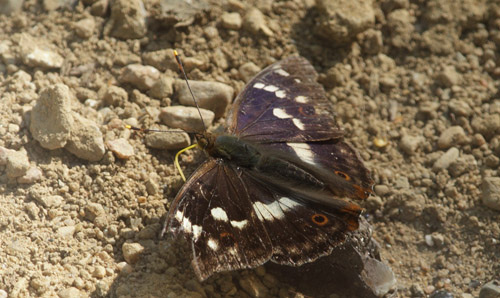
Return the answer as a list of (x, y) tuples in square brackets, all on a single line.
[(132, 252), (17, 164), (114, 96), (446, 159), (452, 136), (340, 21), (382, 189), (186, 118), (7, 7), (128, 19), (141, 76), (86, 141), (162, 88), (121, 148), (168, 141), (490, 290), (491, 192), (51, 117), (255, 22), (248, 71), (33, 175), (212, 96), (84, 28), (231, 20), (409, 144), (448, 77)]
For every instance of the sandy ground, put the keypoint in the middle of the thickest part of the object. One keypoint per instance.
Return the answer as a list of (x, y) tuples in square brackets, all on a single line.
[(413, 83)]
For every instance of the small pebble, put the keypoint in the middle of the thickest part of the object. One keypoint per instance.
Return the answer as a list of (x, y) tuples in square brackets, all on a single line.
[(448, 77), (409, 144), (141, 76), (67, 231), (124, 268), (85, 27), (168, 141), (93, 210), (255, 22), (491, 192), (99, 271), (452, 136), (446, 159), (38, 57), (17, 164), (248, 71), (70, 292), (490, 290), (162, 88), (231, 20), (128, 19), (121, 148), (132, 252), (86, 141), (115, 96), (33, 175)]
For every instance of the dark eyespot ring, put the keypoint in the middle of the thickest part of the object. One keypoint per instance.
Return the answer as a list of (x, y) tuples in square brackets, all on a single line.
[(319, 219)]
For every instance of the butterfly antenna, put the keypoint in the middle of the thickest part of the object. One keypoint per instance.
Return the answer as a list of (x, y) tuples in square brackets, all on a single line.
[(181, 67)]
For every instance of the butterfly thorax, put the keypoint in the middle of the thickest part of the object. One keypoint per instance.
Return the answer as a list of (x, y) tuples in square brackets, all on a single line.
[(229, 148)]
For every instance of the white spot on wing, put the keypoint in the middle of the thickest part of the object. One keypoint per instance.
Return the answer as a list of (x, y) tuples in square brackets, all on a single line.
[(271, 88), (298, 123), (258, 85), (281, 113), (301, 99), (196, 232), (297, 80), (268, 212), (239, 224), (280, 94), (287, 203), (219, 214), (303, 151), (212, 243), (282, 72), (186, 225), (179, 215)]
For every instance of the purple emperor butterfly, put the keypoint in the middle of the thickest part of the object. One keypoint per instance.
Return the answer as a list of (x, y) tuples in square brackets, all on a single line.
[(276, 184)]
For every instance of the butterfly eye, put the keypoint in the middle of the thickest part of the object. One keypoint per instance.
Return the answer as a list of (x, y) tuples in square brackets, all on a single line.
[(319, 219), (227, 239), (307, 111), (343, 175)]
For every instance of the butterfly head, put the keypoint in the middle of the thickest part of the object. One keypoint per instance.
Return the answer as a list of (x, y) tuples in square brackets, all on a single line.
[(205, 140)]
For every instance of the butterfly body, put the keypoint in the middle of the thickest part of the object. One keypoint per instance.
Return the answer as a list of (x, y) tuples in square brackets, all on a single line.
[(275, 184)]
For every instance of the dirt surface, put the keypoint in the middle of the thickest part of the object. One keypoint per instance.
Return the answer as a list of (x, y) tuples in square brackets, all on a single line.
[(414, 84)]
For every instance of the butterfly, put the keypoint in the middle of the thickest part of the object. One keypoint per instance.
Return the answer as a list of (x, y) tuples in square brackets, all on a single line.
[(277, 184)]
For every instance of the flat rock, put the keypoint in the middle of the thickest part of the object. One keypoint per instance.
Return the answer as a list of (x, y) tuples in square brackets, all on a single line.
[(4, 152), (51, 117), (128, 19), (212, 96), (448, 77), (452, 136), (86, 141), (141, 76), (340, 21), (17, 164), (36, 53), (168, 141), (66, 232), (491, 192), (51, 201), (121, 148), (446, 159), (186, 118)]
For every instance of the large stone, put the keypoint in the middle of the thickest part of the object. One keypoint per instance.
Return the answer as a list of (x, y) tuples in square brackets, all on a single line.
[(86, 141), (212, 96), (51, 117), (128, 19), (186, 118), (491, 192), (340, 21)]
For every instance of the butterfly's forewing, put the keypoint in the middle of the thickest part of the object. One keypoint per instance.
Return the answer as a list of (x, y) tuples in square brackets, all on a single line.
[(213, 210), (283, 103)]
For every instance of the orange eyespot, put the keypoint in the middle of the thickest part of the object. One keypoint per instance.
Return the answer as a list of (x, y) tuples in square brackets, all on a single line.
[(307, 111), (343, 175), (319, 219)]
